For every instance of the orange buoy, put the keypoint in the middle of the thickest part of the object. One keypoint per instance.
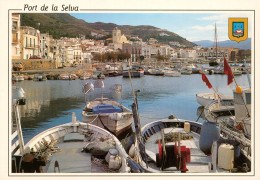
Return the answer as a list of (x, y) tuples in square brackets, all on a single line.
[(239, 90)]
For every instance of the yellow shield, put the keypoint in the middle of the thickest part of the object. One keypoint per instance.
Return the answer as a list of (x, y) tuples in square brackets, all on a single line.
[(238, 29)]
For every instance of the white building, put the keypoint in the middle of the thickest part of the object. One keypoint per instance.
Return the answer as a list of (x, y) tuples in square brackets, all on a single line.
[(30, 38), (188, 53), (16, 41)]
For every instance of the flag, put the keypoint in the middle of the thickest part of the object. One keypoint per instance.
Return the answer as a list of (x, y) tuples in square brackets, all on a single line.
[(205, 79), (228, 71)]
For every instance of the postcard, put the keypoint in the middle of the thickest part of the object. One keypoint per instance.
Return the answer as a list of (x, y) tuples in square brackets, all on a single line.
[(105, 89)]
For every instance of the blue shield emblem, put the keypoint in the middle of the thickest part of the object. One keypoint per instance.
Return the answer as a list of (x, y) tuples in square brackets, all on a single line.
[(238, 29)]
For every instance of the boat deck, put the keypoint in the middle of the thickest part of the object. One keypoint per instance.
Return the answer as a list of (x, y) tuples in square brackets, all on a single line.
[(70, 157), (199, 161)]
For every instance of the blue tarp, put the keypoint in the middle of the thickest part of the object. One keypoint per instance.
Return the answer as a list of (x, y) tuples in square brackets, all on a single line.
[(106, 108)]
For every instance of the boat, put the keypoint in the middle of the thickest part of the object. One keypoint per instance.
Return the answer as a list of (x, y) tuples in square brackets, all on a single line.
[(85, 77), (39, 77), (171, 73), (205, 98), (135, 71), (73, 147), (18, 78), (98, 75), (105, 113), (108, 114), (180, 146), (236, 112), (64, 77), (215, 62), (185, 71)]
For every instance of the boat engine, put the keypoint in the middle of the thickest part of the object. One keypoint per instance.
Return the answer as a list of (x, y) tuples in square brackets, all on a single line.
[(174, 156)]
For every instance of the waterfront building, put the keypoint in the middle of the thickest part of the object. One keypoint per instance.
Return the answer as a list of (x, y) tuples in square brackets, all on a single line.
[(16, 41), (30, 38), (188, 53), (133, 49), (45, 45)]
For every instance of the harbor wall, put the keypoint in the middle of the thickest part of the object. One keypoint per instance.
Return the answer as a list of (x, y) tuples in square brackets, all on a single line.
[(34, 64)]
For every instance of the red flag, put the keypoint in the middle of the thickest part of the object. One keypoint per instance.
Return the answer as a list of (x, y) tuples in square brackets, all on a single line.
[(228, 71), (205, 79)]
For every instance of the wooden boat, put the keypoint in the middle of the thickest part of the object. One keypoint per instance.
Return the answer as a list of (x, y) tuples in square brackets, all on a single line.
[(61, 149), (108, 114), (178, 146), (205, 98)]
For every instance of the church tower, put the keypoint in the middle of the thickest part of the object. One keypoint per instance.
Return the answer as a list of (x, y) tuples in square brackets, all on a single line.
[(116, 34)]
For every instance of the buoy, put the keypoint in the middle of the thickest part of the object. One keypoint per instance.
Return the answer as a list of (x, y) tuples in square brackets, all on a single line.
[(209, 133), (239, 90)]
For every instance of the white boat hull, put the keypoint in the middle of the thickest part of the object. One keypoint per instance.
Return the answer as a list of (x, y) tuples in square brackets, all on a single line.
[(114, 122), (205, 98)]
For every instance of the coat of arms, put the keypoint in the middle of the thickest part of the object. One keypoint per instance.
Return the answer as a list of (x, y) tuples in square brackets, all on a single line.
[(238, 29)]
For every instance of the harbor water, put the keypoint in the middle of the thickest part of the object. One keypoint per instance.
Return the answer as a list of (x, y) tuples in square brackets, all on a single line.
[(51, 103)]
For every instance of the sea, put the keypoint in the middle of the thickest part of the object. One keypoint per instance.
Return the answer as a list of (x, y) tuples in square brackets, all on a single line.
[(51, 103)]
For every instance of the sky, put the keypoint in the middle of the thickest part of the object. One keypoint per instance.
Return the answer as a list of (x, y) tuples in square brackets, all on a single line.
[(192, 26)]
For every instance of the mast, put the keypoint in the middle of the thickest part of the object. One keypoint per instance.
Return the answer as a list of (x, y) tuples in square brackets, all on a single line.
[(216, 40)]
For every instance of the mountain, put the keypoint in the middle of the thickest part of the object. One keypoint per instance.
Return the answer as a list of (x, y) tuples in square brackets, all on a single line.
[(241, 45), (61, 24)]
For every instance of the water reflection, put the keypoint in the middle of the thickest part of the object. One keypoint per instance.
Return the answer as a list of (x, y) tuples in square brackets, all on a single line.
[(50, 103)]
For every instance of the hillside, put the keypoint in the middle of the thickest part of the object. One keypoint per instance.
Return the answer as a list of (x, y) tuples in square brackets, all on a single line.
[(62, 24), (241, 45)]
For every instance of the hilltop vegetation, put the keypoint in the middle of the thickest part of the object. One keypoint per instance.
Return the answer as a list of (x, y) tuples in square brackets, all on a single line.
[(64, 25)]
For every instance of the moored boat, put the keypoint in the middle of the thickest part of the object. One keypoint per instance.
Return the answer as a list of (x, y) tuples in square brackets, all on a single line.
[(135, 71), (85, 77), (18, 78), (108, 114), (205, 98), (73, 147), (182, 146), (39, 77), (171, 73)]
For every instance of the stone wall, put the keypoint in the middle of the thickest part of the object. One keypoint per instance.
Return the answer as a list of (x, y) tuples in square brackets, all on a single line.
[(35, 64)]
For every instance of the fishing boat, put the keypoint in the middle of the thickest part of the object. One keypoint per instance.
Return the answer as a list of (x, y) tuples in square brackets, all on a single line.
[(205, 98), (182, 146), (236, 113), (39, 77), (108, 114), (105, 113), (73, 147)]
